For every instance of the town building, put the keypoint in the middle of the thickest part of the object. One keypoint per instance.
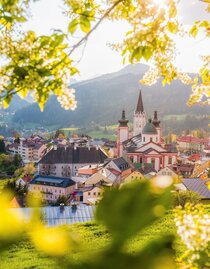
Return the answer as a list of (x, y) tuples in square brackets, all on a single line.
[(52, 187), (146, 146), (169, 171), (191, 143), (134, 176), (29, 150), (66, 161), (200, 186)]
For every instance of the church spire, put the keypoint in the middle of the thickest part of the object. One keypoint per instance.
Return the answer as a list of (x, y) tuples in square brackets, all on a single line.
[(140, 107)]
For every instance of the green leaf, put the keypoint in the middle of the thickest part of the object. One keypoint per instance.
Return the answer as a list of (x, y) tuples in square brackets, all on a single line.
[(128, 210), (85, 24), (147, 52), (136, 54), (6, 101), (156, 254), (73, 26)]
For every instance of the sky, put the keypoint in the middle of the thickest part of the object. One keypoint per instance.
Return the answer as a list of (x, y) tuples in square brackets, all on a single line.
[(97, 57)]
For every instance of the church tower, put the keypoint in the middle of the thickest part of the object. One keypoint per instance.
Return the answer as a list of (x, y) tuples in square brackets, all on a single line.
[(156, 123), (122, 134), (139, 119)]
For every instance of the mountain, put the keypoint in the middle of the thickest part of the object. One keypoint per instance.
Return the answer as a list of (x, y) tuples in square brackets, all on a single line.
[(17, 103), (101, 100)]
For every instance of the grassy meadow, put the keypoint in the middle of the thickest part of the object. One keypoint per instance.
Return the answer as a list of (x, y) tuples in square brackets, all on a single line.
[(93, 238)]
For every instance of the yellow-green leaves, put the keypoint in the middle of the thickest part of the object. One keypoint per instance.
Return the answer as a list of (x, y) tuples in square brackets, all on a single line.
[(37, 64), (83, 13), (194, 31), (12, 12), (172, 27), (73, 26), (134, 206), (85, 24)]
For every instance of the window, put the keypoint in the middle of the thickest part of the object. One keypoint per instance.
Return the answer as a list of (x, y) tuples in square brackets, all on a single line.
[(153, 162), (99, 193), (144, 139), (94, 193), (169, 160), (88, 193)]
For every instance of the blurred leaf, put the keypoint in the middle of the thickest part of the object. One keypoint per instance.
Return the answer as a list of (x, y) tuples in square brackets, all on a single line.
[(158, 254), (172, 27), (194, 31), (128, 210)]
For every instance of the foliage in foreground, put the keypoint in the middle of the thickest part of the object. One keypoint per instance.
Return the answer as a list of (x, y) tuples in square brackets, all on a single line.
[(43, 65), (125, 213)]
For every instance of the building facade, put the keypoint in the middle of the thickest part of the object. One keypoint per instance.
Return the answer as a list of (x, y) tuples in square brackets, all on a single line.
[(146, 146), (66, 161), (52, 187)]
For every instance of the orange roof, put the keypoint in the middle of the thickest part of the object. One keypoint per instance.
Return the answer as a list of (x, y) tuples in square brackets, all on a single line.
[(14, 203)]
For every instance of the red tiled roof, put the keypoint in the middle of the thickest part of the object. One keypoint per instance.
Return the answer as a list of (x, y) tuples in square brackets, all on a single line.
[(192, 139), (194, 157), (27, 179)]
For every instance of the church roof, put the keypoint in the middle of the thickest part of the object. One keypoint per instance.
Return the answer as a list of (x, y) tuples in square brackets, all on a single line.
[(140, 107), (149, 128)]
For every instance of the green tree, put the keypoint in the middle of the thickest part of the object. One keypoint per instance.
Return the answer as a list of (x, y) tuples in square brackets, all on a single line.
[(61, 200), (43, 64), (181, 198), (2, 146), (29, 169), (17, 160)]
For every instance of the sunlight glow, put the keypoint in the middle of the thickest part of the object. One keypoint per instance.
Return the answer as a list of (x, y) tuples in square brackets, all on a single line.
[(160, 3)]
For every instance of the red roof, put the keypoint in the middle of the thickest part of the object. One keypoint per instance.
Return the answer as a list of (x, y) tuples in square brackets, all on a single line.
[(192, 139), (194, 157), (27, 179)]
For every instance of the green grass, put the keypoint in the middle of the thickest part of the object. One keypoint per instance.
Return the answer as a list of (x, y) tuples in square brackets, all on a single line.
[(93, 238), (100, 134)]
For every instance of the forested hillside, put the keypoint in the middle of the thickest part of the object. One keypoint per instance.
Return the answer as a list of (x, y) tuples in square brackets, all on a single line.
[(101, 100)]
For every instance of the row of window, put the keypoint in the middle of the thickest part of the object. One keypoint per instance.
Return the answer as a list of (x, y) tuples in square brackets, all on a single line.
[(89, 193)]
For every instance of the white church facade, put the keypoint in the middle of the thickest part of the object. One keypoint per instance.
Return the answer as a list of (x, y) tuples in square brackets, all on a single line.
[(145, 147)]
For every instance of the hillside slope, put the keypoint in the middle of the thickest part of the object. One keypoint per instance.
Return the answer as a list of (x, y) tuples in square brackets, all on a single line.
[(100, 100)]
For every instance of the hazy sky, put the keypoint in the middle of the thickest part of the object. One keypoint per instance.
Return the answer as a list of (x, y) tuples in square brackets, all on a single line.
[(98, 58)]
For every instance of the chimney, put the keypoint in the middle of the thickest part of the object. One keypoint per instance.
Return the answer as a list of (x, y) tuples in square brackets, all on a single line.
[(55, 147), (75, 146)]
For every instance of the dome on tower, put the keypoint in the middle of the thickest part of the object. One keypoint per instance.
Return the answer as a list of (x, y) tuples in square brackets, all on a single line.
[(149, 128)]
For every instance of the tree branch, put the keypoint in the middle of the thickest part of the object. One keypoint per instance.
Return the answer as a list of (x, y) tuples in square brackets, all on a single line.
[(95, 26)]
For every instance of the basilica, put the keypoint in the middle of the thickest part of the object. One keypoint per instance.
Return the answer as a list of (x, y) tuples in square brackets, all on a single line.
[(145, 145)]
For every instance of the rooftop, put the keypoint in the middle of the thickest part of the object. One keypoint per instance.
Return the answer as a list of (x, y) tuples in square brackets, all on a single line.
[(74, 155), (67, 215), (198, 185), (52, 181), (149, 128)]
